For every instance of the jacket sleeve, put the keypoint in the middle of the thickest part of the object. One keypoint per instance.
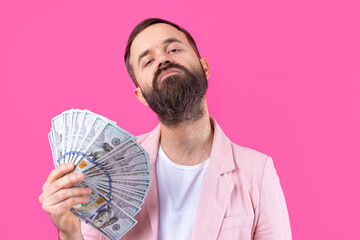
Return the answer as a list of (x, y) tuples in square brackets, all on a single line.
[(90, 233), (273, 219)]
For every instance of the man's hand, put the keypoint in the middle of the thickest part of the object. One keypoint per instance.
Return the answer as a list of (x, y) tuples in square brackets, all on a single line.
[(58, 197)]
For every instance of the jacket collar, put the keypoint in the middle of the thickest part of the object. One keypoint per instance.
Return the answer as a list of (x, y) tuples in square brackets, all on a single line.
[(216, 189)]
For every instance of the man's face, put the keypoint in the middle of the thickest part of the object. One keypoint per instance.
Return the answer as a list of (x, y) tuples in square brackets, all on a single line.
[(171, 78), (156, 45)]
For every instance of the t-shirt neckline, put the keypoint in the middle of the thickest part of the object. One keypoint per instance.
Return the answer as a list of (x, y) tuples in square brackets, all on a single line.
[(201, 165)]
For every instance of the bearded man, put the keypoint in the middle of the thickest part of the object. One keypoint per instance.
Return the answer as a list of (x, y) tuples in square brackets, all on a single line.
[(203, 185)]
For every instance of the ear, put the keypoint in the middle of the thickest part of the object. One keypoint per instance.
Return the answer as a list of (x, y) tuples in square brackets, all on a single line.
[(205, 66), (140, 96)]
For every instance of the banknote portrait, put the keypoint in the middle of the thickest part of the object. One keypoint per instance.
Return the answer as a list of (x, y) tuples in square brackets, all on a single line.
[(100, 151), (104, 218)]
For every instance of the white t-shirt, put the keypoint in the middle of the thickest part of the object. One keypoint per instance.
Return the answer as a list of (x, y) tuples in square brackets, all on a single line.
[(179, 191)]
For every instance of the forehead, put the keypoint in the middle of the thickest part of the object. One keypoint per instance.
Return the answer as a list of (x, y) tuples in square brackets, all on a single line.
[(153, 36)]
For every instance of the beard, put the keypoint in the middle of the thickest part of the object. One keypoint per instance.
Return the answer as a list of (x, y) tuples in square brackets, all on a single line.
[(178, 97)]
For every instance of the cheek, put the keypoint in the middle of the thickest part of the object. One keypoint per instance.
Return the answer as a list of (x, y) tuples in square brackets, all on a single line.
[(190, 62), (145, 83), (145, 77)]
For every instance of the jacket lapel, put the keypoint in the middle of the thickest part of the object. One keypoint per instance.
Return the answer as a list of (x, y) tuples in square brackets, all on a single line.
[(216, 189), (151, 144)]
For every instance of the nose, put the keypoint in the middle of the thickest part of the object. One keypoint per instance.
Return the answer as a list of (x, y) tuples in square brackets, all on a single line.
[(164, 60), (164, 63)]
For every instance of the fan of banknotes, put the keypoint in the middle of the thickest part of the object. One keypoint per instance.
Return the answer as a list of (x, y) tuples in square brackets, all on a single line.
[(116, 167)]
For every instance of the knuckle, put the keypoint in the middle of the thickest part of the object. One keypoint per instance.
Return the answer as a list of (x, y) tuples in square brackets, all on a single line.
[(76, 191), (55, 185), (45, 208), (53, 172), (83, 191), (74, 178), (70, 201), (61, 168), (61, 194), (56, 171)]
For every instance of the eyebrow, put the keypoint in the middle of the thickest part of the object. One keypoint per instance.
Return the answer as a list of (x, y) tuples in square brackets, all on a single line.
[(166, 41)]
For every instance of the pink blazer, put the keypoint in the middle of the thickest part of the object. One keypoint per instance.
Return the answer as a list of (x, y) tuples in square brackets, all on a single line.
[(241, 197)]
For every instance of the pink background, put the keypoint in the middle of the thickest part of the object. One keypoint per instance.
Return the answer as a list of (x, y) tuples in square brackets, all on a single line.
[(285, 80)]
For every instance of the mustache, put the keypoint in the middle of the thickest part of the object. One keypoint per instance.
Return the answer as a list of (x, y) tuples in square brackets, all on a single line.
[(170, 65)]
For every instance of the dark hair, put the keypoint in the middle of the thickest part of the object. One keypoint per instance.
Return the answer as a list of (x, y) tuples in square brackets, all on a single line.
[(139, 28)]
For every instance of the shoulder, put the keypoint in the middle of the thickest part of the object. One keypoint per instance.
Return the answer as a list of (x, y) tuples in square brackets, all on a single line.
[(247, 153), (142, 137), (151, 136), (250, 162)]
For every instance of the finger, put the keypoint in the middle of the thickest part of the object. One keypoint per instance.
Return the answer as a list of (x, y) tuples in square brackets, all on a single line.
[(64, 182), (70, 202), (58, 173), (65, 205), (64, 194)]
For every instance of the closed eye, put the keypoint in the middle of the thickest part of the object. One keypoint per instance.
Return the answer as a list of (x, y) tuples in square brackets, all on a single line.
[(174, 50), (147, 63)]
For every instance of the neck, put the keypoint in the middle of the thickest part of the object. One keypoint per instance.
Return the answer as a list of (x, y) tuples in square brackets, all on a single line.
[(189, 143)]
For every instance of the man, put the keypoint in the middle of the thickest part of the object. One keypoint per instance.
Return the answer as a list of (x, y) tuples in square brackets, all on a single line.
[(204, 186)]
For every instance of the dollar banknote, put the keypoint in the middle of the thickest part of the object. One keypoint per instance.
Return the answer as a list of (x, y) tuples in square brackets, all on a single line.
[(116, 168)]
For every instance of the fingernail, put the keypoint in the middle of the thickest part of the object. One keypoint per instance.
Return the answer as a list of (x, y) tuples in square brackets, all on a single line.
[(69, 165), (88, 190), (79, 175)]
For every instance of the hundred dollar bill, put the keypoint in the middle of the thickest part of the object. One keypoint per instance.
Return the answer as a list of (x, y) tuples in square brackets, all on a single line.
[(124, 187), (142, 166), (70, 134), (79, 117), (133, 192), (128, 207), (53, 149), (109, 138), (140, 186), (133, 198), (57, 134), (110, 185), (134, 183), (110, 220), (129, 175), (99, 197), (127, 198), (133, 195), (96, 128), (83, 133), (67, 118), (128, 148), (112, 163), (134, 175)]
